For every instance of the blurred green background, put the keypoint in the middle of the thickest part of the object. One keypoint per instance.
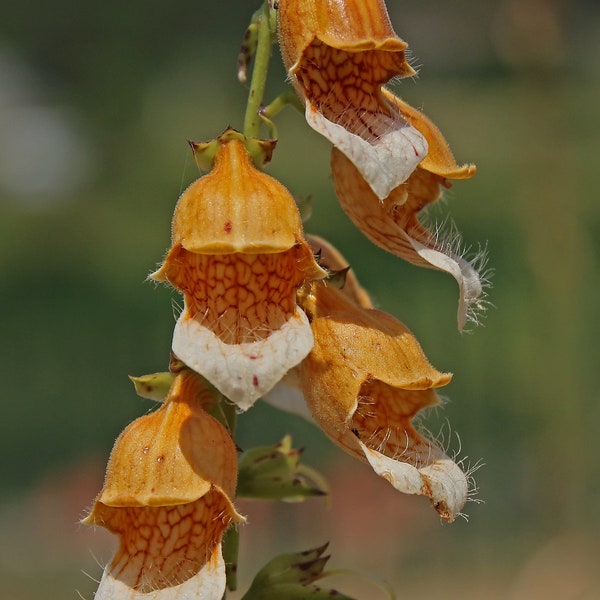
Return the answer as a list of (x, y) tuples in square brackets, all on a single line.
[(96, 104)]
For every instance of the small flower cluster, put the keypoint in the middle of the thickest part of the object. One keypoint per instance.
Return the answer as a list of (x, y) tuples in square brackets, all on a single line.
[(272, 313)]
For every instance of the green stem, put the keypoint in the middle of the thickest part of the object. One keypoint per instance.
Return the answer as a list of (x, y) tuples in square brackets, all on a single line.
[(231, 543), (252, 119), (231, 539), (287, 98)]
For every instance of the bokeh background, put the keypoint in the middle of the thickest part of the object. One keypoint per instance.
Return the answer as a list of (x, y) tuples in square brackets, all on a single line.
[(97, 101)]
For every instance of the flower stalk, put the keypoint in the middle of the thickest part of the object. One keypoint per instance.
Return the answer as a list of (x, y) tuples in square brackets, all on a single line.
[(271, 313), (262, 56)]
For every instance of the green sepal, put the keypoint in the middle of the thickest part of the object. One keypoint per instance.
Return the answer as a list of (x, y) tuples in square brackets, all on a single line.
[(275, 473), (338, 278), (261, 151), (204, 153), (291, 577), (155, 386)]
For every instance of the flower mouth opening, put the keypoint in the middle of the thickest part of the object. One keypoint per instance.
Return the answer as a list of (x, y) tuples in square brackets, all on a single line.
[(382, 420), (345, 87), (400, 454), (241, 298), (162, 547)]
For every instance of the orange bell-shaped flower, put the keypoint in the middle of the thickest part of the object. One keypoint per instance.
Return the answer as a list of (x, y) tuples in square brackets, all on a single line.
[(339, 54), (392, 223), (238, 257), (364, 381), (167, 495)]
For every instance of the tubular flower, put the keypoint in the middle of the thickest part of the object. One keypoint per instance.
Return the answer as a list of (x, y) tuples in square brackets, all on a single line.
[(339, 54), (364, 381), (287, 394), (238, 256), (393, 224), (167, 492)]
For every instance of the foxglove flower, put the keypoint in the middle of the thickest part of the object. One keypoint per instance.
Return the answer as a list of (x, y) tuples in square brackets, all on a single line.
[(363, 383), (393, 223), (339, 54), (167, 495), (238, 256)]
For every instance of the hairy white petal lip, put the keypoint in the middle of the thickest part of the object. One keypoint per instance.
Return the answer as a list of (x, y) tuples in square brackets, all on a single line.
[(207, 584), (467, 277), (243, 372), (384, 163), (441, 480)]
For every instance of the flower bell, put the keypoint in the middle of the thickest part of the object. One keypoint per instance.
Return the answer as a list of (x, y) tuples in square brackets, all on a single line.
[(167, 495), (364, 381), (393, 224), (238, 256), (339, 54)]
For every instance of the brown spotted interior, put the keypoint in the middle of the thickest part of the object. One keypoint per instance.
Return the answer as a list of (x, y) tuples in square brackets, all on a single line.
[(382, 421), (164, 546), (345, 87), (240, 297)]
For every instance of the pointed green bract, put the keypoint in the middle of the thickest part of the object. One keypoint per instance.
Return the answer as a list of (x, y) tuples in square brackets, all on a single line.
[(292, 577), (275, 473), (154, 386)]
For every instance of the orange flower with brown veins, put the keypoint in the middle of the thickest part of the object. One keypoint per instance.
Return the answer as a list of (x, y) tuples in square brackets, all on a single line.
[(339, 53), (364, 381), (393, 224), (239, 256), (167, 495)]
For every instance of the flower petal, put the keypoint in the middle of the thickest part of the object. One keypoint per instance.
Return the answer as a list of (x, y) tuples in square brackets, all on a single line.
[(208, 583), (387, 160), (287, 396), (236, 208), (161, 458), (393, 225), (364, 381), (439, 159), (441, 480), (468, 279), (353, 25), (243, 372)]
